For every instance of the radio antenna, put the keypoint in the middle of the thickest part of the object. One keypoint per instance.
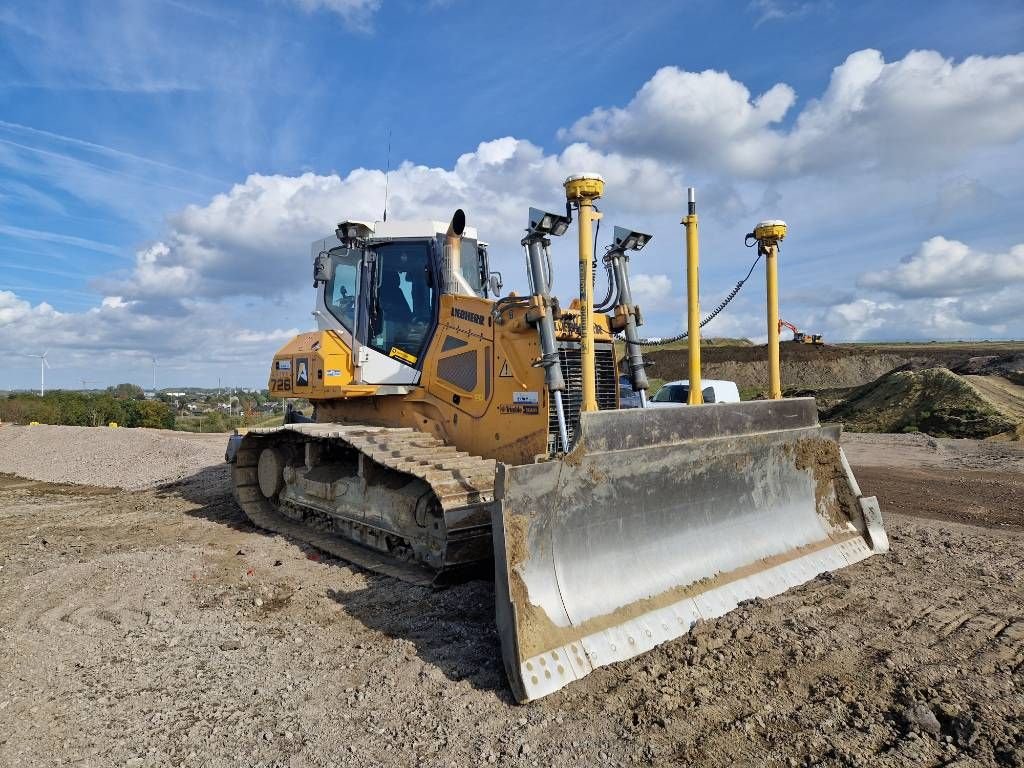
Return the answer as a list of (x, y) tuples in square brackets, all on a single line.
[(387, 175)]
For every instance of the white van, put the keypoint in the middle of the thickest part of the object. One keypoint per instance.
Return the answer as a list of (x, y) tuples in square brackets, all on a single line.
[(678, 392)]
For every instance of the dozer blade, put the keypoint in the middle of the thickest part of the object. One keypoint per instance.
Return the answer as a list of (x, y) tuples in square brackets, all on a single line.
[(660, 517)]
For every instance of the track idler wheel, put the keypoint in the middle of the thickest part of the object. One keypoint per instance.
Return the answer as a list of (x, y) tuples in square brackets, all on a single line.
[(270, 472)]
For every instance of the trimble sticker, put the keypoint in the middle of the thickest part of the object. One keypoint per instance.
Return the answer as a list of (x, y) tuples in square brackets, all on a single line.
[(401, 354), (519, 410), (332, 372), (526, 398), (284, 365)]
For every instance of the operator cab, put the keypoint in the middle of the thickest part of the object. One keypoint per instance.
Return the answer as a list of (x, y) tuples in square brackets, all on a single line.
[(378, 287)]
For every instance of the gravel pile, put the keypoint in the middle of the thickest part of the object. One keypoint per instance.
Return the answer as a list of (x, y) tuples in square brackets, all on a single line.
[(117, 458)]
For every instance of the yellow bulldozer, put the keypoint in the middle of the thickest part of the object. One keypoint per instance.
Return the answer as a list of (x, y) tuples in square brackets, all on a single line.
[(453, 427)]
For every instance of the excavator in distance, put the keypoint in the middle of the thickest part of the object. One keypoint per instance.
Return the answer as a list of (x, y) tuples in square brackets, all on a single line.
[(454, 427), (799, 337)]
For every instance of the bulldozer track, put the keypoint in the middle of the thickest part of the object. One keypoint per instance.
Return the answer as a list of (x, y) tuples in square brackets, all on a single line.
[(458, 480)]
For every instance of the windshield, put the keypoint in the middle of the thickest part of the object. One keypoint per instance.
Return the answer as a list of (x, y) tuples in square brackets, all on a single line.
[(340, 294), (672, 393), (404, 312)]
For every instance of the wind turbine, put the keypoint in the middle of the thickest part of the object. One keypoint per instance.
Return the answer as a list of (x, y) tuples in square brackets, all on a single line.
[(43, 365), (154, 375)]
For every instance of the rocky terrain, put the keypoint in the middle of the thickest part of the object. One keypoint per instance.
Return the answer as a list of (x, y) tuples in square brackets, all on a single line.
[(157, 628)]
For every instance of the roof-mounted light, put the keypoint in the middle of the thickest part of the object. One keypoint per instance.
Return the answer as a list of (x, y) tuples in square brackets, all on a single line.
[(351, 232), (544, 223), (629, 240)]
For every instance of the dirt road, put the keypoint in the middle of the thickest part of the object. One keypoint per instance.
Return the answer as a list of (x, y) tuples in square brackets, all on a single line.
[(159, 628)]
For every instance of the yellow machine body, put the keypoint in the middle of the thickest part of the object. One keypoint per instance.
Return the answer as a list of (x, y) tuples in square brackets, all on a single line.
[(505, 415)]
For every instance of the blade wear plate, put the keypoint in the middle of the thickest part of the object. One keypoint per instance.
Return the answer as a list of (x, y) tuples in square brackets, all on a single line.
[(660, 517)]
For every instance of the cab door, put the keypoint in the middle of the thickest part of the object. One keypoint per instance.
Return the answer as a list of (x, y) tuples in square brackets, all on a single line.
[(397, 311)]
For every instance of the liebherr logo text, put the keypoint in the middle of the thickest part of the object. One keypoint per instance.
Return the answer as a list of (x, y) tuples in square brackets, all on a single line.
[(463, 314)]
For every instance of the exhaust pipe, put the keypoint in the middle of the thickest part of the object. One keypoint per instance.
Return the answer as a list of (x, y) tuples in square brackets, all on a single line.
[(454, 280)]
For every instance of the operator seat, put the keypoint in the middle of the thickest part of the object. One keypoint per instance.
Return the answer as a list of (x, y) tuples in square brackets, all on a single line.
[(393, 303)]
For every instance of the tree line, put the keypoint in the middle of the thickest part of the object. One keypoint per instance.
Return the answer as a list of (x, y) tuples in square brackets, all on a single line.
[(124, 404)]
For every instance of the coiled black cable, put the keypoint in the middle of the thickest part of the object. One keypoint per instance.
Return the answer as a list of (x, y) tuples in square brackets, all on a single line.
[(712, 315)]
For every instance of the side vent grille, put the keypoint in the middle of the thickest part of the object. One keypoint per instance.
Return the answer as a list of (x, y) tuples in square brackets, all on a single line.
[(572, 398), (459, 370)]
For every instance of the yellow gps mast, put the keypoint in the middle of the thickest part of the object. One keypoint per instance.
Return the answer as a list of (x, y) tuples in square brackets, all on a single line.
[(768, 234), (582, 190), (696, 396)]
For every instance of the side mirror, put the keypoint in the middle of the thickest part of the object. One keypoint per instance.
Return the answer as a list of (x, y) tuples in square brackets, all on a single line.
[(323, 268), (495, 283)]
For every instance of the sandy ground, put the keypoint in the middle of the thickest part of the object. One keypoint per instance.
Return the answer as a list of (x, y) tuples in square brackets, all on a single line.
[(157, 627)]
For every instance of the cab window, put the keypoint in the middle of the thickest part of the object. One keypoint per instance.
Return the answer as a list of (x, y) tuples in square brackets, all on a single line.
[(340, 294), (404, 312), (471, 269)]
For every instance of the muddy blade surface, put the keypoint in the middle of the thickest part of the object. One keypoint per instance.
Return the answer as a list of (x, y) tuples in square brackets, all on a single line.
[(660, 517)]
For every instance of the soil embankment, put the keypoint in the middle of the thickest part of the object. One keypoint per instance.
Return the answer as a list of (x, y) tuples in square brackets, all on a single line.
[(954, 389), (804, 366)]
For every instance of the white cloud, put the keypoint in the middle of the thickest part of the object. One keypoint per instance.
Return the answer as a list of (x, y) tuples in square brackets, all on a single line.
[(100, 340), (356, 14), (868, 319), (945, 290), (651, 292), (254, 239), (14, 311), (703, 117), (779, 10), (183, 294), (55, 237), (943, 268), (922, 111)]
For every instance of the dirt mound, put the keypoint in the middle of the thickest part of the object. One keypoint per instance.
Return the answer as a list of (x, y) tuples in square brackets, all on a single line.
[(100, 456), (803, 366), (933, 400)]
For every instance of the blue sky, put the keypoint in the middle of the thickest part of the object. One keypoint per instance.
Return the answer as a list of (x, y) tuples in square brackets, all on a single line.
[(165, 163)]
